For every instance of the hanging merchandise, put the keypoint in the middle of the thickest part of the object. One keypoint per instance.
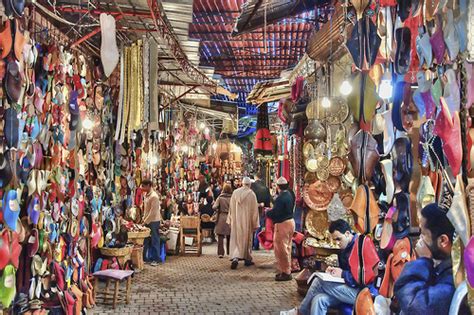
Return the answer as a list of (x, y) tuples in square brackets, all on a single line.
[(263, 138)]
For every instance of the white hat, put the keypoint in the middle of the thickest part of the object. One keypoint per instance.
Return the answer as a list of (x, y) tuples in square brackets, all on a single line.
[(282, 181), (246, 181)]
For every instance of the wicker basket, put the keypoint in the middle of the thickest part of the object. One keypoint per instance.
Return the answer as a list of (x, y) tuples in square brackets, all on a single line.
[(137, 257), (116, 252), (138, 238)]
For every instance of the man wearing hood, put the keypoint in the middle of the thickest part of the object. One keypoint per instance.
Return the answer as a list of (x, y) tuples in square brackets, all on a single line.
[(244, 220)]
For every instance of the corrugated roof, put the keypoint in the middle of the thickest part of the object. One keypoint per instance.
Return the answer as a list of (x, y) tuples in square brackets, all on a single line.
[(244, 60)]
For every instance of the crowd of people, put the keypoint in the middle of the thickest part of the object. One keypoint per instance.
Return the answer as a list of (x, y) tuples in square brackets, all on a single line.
[(425, 284)]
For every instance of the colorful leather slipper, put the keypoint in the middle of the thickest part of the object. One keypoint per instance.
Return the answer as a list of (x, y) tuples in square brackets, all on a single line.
[(7, 286), (33, 243), (402, 55), (451, 91), (11, 209), (34, 210), (451, 37), (6, 40)]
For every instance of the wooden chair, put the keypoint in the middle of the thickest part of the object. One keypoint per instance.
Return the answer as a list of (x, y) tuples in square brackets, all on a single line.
[(190, 226), (117, 276)]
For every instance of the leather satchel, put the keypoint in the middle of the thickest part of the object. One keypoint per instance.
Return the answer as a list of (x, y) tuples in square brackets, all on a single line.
[(365, 210), (402, 253), (363, 260), (363, 155)]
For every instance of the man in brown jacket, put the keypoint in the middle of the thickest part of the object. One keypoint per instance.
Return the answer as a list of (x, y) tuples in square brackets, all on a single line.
[(151, 218)]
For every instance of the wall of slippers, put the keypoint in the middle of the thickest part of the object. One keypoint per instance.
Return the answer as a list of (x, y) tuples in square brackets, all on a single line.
[(396, 135), (64, 171)]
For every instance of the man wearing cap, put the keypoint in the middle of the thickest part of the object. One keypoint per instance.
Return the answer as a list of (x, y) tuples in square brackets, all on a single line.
[(243, 219), (282, 217)]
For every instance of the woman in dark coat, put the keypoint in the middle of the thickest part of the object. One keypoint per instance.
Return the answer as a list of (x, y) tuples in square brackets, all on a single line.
[(221, 205)]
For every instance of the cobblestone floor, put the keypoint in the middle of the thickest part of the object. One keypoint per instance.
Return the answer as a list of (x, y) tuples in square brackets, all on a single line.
[(207, 285)]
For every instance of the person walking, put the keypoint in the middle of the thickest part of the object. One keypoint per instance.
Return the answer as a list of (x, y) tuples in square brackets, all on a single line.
[(151, 218), (282, 217), (243, 220), (264, 199), (221, 205)]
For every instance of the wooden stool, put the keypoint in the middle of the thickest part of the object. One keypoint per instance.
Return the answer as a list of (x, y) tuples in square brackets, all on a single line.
[(117, 276)]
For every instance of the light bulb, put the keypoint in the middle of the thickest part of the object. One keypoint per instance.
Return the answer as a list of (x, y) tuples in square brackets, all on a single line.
[(88, 124), (202, 125), (154, 160), (386, 87), (345, 88), (326, 102)]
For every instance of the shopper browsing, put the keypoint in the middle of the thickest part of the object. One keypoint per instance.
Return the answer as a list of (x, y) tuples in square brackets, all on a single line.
[(426, 284), (243, 220), (282, 217), (151, 218), (221, 206)]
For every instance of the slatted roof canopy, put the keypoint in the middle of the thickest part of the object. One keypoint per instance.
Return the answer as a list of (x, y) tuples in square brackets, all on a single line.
[(244, 60)]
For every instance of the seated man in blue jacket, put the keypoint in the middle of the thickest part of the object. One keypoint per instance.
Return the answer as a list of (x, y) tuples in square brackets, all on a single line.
[(323, 295), (425, 285)]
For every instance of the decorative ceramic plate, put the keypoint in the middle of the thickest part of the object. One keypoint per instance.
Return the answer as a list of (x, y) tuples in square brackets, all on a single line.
[(337, 166), (317, 223), (317, 195), (338, 112)]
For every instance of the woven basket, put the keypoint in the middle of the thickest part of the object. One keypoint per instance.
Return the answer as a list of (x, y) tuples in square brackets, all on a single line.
[(116, 252), (138, 237), (137, 257)]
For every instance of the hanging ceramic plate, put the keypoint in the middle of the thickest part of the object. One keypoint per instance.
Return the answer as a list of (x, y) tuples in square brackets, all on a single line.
[(338, 112), (317, 195), (317, 223), (334, 183), (323, 173), (308, 149), (337, 166)]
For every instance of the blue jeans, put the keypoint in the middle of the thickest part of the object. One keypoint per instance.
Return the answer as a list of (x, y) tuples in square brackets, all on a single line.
[(152, 249), (322, 295), (256, 243)]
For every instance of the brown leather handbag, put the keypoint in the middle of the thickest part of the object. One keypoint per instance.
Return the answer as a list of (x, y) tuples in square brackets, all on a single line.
[(363, 155)]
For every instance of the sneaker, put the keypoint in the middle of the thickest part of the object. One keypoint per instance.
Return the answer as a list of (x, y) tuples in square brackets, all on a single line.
[(249, 263), (221, 256), (283, 277), (293, 311), (154, 264), (234, 264)]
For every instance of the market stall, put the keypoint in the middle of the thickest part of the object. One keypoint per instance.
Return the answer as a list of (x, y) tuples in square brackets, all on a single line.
[(383, 128)]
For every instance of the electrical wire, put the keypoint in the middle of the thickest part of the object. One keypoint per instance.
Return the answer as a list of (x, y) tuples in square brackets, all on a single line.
[(60, 19)]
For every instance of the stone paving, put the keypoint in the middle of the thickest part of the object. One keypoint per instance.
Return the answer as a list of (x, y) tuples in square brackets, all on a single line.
[(207, 285)]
